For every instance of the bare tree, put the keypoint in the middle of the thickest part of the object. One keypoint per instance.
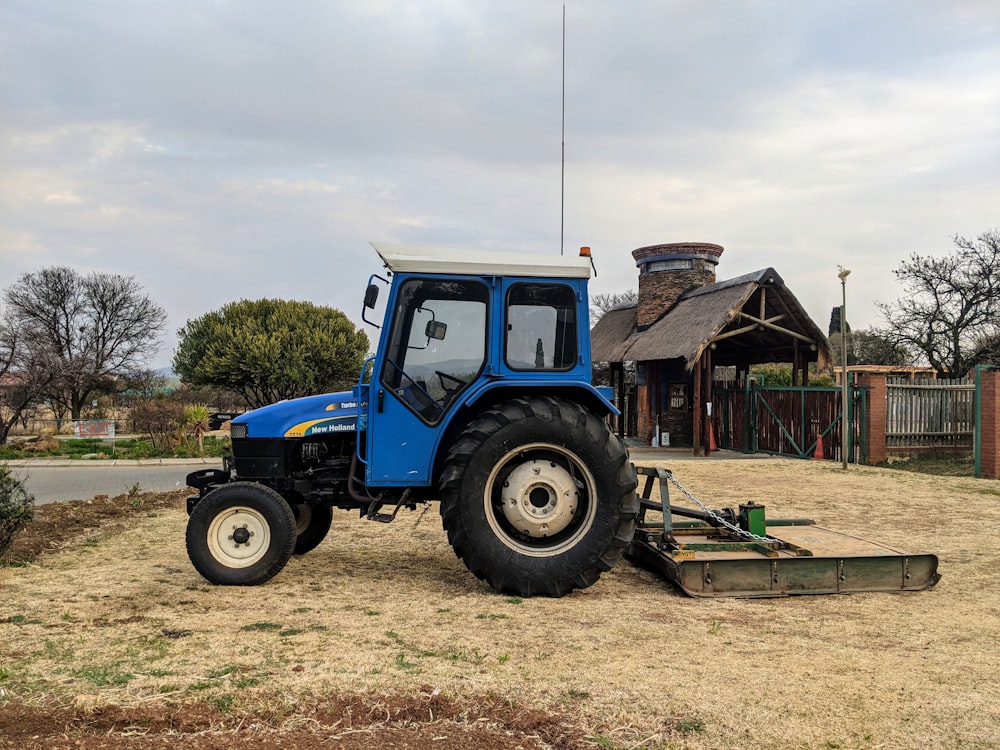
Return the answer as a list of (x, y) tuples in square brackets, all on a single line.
[(98, 329), (988, 351), (871, 346), (26, 372), (605, 302), (951, 305)]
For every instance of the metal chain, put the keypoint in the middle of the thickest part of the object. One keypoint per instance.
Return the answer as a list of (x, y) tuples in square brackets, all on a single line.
[(715, 516)]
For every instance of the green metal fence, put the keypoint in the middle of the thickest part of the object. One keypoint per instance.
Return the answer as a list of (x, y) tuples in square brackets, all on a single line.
[(804, 422)]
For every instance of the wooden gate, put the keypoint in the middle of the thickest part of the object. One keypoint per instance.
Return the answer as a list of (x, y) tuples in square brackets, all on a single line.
[(931, 416), (790, 421)]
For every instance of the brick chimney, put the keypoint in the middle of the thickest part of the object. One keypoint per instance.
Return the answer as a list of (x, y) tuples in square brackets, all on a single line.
[(667, 271)]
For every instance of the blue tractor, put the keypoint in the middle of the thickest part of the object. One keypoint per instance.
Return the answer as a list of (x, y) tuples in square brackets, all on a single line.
[(479, 397)]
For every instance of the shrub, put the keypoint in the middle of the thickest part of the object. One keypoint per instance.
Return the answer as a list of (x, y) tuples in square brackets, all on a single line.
[(160, 418), (196, 418), (17, 508)]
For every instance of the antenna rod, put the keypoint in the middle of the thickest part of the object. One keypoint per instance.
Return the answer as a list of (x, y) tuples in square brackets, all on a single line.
[(562, 176)]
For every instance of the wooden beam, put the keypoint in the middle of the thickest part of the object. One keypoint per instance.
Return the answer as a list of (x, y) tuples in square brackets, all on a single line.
[(744, 329), (779, 329)]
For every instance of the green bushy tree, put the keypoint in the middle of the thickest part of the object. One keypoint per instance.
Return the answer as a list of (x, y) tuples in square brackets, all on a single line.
[(780, 374), (270, 349)]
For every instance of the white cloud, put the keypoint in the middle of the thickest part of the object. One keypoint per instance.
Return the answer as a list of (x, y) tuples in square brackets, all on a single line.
[(229, 150), (66, 196)]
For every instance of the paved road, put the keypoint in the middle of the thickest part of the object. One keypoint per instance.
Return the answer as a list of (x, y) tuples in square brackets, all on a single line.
[(56, 481)]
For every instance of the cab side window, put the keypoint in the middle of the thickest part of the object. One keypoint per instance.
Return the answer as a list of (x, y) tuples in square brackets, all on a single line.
[(541, 331)]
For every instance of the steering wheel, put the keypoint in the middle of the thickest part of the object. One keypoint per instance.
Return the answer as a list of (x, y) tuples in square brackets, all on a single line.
[(425, 402), (443, 376)]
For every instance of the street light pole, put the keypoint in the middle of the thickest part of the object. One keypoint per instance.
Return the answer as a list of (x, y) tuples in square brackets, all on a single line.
[(844, 426)]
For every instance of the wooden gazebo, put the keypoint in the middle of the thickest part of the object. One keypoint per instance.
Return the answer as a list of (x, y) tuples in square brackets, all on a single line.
[(738, 322)]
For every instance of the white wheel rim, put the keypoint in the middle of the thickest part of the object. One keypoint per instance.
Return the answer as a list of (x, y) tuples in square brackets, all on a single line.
[(239, 537), (539, 498), (544, 508)]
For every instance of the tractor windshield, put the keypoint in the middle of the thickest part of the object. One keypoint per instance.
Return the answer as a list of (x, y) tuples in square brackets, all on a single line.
[(437, 345)]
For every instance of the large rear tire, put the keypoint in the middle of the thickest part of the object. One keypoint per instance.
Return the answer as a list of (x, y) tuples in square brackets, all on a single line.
[(312, 524), (240, 534), (538, 497)]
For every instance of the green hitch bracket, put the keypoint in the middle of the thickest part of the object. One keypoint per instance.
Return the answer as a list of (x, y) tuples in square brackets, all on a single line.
[(752, 518)]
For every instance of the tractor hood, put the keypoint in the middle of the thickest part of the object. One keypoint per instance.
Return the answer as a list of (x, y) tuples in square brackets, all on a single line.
[(300, 417)]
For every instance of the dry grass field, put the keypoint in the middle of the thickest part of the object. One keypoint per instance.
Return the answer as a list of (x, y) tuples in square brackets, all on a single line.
[(381, 638)]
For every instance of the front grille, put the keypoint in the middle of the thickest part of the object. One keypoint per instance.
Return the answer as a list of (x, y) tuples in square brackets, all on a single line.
[(239, 431)]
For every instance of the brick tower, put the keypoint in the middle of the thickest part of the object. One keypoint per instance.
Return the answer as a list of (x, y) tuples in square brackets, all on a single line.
[(667, 271)]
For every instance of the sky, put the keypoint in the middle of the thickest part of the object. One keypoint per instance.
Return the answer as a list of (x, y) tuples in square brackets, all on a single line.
[(219, 150)]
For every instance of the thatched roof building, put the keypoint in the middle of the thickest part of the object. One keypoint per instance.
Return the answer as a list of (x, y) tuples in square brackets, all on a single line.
[(686, 323)]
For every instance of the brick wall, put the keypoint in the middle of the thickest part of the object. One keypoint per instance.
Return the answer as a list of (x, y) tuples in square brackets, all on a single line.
[(989, 424), (658, 290), (876, 415)]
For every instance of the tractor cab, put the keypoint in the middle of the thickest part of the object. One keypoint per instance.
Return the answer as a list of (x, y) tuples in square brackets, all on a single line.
[(459, 334)]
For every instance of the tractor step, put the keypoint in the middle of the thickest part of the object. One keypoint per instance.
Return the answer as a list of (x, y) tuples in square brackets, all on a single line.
[(729, 554)]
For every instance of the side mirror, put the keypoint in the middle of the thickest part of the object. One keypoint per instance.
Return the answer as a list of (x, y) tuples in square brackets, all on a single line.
[(371, 296), (435, 330)]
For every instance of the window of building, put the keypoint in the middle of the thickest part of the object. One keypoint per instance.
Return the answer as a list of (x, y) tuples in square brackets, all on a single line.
[(678, 397), (671, 264)]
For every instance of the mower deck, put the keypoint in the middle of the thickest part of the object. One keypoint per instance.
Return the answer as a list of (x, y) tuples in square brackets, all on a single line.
[(749, 556)]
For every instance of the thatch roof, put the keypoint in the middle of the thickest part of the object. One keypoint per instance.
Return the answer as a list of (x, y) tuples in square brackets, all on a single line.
[(614, 334), (750, 319)]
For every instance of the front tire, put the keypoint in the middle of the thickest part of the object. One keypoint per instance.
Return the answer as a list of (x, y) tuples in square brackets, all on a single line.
[(240, 534), (538, 497)]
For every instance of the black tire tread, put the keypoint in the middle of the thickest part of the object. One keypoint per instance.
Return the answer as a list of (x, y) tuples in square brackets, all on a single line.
[(241, 493), (314, 534), (590, 429)]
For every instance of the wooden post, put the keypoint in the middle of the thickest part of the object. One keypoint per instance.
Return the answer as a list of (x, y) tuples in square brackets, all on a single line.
[(642, 408), (656, 401), (795, 363), (696, 410), (707, 373)]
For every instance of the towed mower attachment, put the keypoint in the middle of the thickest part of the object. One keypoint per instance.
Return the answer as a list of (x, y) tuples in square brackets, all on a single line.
[(738, 554)]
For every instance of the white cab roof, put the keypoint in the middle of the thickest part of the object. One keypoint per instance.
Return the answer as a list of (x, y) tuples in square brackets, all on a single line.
[(422, 259)]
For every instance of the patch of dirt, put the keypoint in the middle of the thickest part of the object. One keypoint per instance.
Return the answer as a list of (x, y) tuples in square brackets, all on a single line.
[(347, 722), (59, 526)]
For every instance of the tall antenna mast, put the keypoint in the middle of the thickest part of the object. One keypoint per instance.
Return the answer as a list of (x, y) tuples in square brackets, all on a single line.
[(562, 176)]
